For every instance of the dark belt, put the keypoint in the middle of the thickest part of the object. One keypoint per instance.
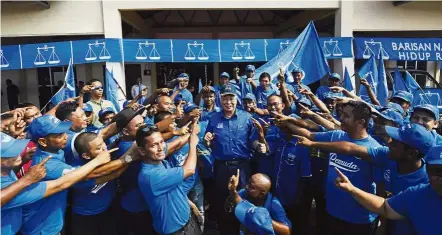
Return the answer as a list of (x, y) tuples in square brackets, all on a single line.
[(232, 162)]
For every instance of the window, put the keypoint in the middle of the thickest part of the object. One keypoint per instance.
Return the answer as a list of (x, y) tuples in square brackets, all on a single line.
[(418, 65)]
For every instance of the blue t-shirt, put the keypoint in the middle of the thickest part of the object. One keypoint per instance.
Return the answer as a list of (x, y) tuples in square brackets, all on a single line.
[(177, 159), (92, 199), (47, 215), (339, 203), (297, 87), (262, 96), (12, 212), (396, 182), (291, 162), (186, 94), (131, 199), (162, 189), (149, 120), (422, 206), (233, 137)]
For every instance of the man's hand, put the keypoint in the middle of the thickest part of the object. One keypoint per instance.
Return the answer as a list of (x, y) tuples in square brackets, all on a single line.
[(364, 82), (134, 106), (280, 119), (179, 112), (249, 80), (163, 91), (86, 89), (261, 148), (258, 127), (17, 125), (343, 182), (303, 141), (235, 72), (281, 78), (336, 89), (27, 156), (37, 172), (306, 92), (194, 136), (233, 182), (105, 156), (208, 138), (183, 130)]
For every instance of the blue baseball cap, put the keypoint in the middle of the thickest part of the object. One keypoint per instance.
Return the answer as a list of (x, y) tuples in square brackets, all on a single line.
[(189, 107), (393, 116), (413, 135), (47, 124), (394, 107), (335, 76), (298, 70), (105, 111), (249, 96), (178, 98), (224, 74), (305, 101), (256, 219), (228, 90), (404, 95), (87, 107), (330, 95), (435, 153), (11, 147), (184, 76), (430, 108), (250, 67)]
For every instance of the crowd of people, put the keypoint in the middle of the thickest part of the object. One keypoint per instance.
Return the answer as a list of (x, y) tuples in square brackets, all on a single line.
[(245, 156)]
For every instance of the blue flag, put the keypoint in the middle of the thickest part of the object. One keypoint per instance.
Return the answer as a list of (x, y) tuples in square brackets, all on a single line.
[(382, 88), (411, 83), (200, 85), (420, 97), (399, 83), (368, 72), (111, 89), (305, 53), (348, 85), (68, 89)]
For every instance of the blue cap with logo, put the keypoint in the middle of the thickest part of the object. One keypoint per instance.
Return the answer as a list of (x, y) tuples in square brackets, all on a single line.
[(430, 108), (11, 147), (249, 96), (87, 107), (189, 107), (330, 95), (46, 125), (184, 76), (256, 219), (413, 135), (404, 95), (105, 111), (393, 116), (395, 107), (250, 67), (224, 74), (228, 90), (305, 101), (335, 76), (298, 70)]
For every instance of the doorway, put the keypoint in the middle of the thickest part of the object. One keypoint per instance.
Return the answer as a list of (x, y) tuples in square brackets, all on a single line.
[(132, 72)]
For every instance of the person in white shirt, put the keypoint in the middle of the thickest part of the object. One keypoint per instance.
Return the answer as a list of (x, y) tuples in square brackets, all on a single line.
[(137, 88)]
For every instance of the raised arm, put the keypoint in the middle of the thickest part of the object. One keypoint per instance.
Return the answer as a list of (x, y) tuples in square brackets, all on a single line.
[(280, 228), (320, 120), (177, 144), (318, 103), (190, 164), (370, 92), (284, 94)]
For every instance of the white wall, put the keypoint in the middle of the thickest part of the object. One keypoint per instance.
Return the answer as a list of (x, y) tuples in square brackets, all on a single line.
[(383, 16), (62, 18)]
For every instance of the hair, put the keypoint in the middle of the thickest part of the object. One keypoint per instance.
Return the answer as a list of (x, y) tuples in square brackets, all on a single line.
[(144, 132), (89, 82), (265, 74), (81, 143), (276, 95), (361, 111), (26, 105), (6, 116), (65, 110), (161, 115)]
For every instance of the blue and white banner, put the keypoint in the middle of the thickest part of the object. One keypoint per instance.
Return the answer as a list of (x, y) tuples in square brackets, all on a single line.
[(94, 51), (45, 54), (10, 57), (243, 50), (147, 50), (195, 50), (422, 49)]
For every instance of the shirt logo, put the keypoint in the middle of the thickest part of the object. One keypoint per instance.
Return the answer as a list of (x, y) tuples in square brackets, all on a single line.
[(387, 175), (54, 119), (220, 125), (290, 160), (343, 165), (97, 188)]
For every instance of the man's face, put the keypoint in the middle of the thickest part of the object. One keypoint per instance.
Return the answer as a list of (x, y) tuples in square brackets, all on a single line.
[(56, 141), (152, 110), (133, 126), (96, 146), (297, 77), (397, 151), (250, 74), (228, 103), (165, 104), (252, 190), (435, 176), (347, 118), (264, 82), (4, 124), (107, 118), (97, 91), (334, 82), (424, 118), (330, 103), (138, 80), (404, 104), (89, 116), (209, 98), (154, 147), (183, 83), (274, 103), (78, 119), (224, 81), (10, 162), (30, 114), (249, 105)]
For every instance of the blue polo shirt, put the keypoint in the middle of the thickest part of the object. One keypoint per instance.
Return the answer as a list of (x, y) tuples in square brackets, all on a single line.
[(186, 94), (274, 207), (396, 182), (244, 86), (162, 189), (339, 203), (233, 137), (131, 199), (178, 158), (422, 206), (47, 216), (291, 162), (12, 212), (206, 113), (92, 199), (296, 88), (262, 96)]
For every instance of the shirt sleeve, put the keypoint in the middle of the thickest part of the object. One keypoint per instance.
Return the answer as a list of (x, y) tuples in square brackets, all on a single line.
[(166, 179), (56, 169), (400, 202), (29, 195), (253, 132), (324, 136), (278, 214), (379, 155)]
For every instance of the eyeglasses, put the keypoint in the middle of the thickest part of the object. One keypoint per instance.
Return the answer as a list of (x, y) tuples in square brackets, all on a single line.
[(98, 88), (149, 128), (276, 104)]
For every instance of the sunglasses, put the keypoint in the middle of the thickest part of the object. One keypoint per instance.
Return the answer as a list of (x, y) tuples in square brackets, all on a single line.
[(97, 88)]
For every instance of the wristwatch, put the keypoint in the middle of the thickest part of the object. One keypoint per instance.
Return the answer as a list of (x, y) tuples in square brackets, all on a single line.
[(128, 159)]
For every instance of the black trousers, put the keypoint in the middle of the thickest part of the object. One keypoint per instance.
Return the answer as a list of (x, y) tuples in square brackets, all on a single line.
[(310, 188), (99, 224), (227, 222), (191, 228), (336, 226), (140, 223)]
